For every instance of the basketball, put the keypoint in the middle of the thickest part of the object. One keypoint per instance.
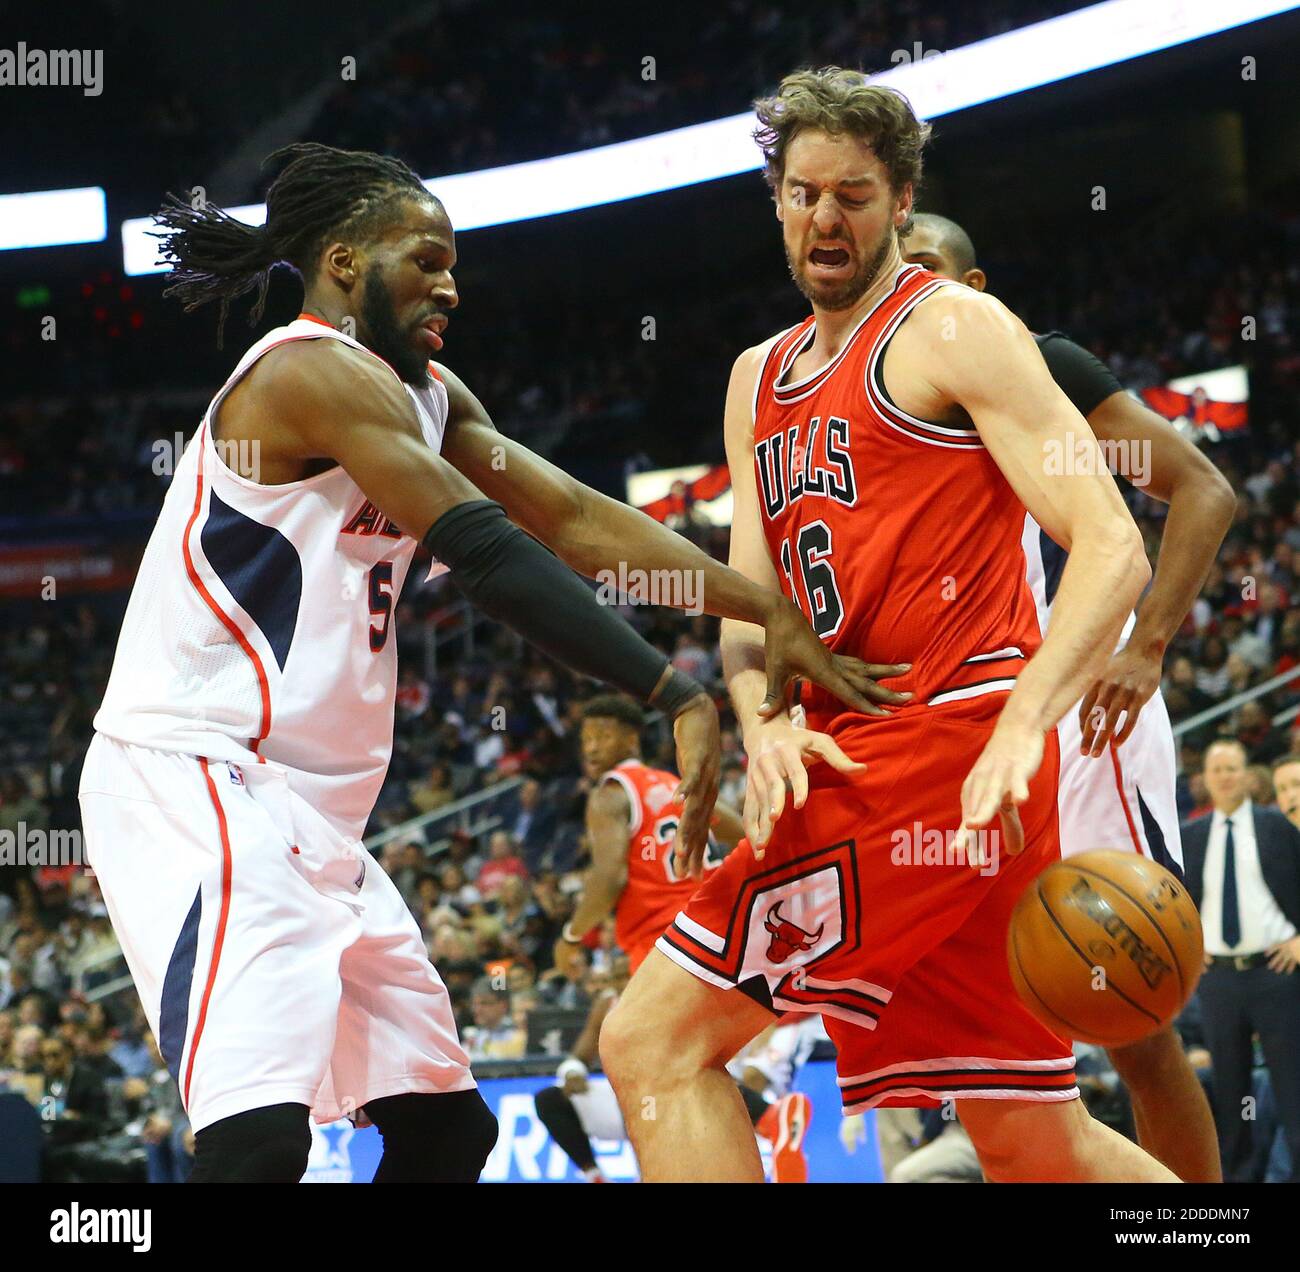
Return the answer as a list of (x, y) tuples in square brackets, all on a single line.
[(1105, 947)]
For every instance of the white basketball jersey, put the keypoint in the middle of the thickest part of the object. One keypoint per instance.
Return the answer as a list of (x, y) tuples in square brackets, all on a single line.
[(261, 623), (1044, 563)]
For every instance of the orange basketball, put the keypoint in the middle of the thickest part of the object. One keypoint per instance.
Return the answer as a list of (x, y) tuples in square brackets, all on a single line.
[(1105, 947)]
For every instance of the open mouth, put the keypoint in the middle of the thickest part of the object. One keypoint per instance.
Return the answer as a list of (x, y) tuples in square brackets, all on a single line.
[(432, 331), (829, 257)]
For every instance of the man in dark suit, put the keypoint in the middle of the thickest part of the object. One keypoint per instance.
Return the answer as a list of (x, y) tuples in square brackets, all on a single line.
[(1243, 871)]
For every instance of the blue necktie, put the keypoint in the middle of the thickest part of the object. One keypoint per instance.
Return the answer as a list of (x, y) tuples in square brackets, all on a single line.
[(1231, 917)]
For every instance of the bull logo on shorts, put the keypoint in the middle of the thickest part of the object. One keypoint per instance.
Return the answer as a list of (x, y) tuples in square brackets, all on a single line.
[(787, 938)]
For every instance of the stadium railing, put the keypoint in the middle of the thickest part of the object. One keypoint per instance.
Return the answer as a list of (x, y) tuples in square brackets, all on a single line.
[(474, 813), (1221, 709)]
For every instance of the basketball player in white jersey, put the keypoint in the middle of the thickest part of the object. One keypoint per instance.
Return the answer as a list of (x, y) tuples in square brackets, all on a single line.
[(248, 720), (1118, 763)]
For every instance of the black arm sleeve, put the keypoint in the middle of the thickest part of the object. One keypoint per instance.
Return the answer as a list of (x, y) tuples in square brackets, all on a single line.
[(509, 575), (1083, 378)]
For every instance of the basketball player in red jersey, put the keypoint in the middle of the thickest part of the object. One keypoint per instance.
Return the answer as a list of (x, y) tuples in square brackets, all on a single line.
[(632, 816), (1103, 801), (883, 453)]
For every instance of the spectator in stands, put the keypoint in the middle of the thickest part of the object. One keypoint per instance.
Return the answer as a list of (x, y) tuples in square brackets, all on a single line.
[(413, 693), (455, 890), (75, 1098), (503, 862), (18, 806), (434, 790), (132, 1047), (532, 825), (494, 1035), (163, 1126), (1243, 873), (1286, 782), (1259, 784), (403, 862), (1263, 741)]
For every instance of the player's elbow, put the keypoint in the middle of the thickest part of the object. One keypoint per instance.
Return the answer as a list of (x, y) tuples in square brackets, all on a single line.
[(1116, 553), (1131, 564), (1215, 497)]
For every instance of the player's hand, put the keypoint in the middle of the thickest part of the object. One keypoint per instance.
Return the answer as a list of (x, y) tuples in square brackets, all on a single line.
[(793, 650), (996, 786), (574, 1084), (1285, 955), (779, 754), (563, 955), (699, 761), (853, 1131), (1124, 688)]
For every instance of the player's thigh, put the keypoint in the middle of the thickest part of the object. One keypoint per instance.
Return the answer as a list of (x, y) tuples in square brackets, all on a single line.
[(1029, 1133), (396, 1028), (668, 1017)]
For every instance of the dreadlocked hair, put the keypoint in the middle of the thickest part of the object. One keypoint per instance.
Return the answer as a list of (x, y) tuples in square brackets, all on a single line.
[(321, 193)]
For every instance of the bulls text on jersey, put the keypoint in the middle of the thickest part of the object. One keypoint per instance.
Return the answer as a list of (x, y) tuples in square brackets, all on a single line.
[(791, 466)]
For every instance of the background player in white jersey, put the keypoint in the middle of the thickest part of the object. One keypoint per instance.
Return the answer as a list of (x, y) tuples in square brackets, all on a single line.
[(582, 1106), (247, 724), (1118, 763)]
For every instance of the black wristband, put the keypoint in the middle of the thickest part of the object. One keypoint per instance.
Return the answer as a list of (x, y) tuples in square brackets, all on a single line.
[(510, 576), (678, 690)]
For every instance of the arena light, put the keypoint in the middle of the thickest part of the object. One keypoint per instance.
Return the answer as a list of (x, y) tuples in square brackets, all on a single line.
[(51, 218), (937, 84)]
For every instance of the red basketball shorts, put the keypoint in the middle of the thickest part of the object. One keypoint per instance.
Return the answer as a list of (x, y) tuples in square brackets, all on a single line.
[(859, 910)]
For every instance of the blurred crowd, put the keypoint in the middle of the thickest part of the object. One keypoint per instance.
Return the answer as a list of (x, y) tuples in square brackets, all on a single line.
[(475, 87)]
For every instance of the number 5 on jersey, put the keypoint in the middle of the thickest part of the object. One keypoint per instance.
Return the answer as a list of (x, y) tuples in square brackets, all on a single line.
[(381, 603)]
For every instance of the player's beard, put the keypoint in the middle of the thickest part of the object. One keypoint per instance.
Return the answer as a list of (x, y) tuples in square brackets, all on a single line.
[(383, 334), (846, 294)]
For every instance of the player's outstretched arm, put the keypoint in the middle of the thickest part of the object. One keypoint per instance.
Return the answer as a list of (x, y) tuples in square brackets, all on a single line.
[(329, 401), (779, 751), (968, 351), (1201, 505), (594, 534)]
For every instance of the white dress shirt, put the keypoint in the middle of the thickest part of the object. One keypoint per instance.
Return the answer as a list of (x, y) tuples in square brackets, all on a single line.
[(1262, 921)]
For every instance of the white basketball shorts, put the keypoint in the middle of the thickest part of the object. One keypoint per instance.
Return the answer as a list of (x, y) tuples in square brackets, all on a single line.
[(598, 1111), (276, 961), (1125, 797)]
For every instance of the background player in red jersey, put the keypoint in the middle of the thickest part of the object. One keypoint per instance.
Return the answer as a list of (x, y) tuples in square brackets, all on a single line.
[(894, 435), (1104, 803), (632, 816)]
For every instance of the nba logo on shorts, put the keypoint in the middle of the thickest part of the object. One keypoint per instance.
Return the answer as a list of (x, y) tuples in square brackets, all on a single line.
[(236, 775)]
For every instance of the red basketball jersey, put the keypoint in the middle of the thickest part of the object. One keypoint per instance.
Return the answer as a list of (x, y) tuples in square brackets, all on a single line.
[(899, 538), (653, 894)]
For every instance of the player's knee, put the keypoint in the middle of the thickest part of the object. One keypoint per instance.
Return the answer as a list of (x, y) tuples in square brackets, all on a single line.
[(433, 1137), (262, 1146), (632, 1047), (549, 1101)]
